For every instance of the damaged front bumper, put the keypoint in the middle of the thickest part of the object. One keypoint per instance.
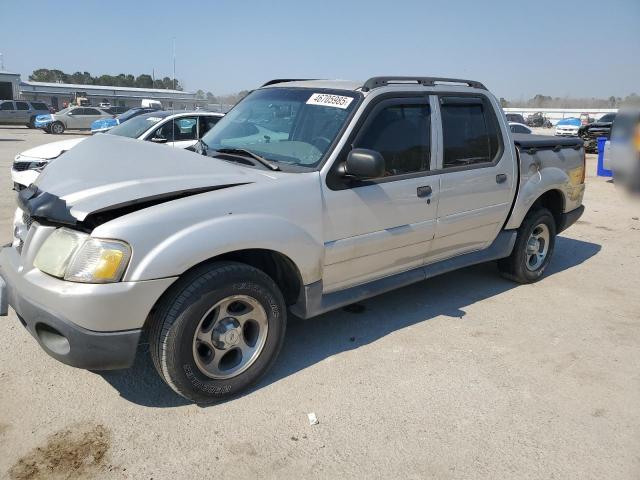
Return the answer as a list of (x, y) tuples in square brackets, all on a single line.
[(91, 326)]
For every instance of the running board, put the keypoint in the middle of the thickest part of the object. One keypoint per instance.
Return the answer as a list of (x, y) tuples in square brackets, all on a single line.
[(313, 302)]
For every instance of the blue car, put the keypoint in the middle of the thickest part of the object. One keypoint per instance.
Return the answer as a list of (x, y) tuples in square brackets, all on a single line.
[(105, 124), (43, 121)]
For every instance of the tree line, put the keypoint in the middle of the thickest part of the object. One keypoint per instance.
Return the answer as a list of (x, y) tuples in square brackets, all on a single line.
[(121, 80), (545, 101), (230, 99)]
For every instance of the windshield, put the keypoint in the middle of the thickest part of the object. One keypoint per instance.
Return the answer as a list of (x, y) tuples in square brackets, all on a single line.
[(136, 126), (287, 125)]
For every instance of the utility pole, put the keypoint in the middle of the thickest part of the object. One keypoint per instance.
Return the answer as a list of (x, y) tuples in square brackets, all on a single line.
[(174, 63)]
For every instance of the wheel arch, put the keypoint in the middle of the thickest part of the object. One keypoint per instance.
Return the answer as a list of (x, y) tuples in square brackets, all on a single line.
[(279, 267)]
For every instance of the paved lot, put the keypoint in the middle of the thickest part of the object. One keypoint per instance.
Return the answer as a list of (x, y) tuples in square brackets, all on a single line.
[(463, 376)]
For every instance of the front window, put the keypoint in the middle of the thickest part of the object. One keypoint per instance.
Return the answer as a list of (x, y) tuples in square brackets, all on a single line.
[(286, 125), (136, 126)]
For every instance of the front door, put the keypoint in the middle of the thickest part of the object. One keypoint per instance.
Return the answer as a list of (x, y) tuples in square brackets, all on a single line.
[(477, 176), (383, 226), (75, 117)]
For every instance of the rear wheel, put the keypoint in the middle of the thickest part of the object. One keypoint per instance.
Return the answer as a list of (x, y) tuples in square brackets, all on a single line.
[(533, 249), (217, 331), (56, 128)]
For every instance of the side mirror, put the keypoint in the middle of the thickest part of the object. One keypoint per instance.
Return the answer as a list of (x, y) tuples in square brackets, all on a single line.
[(363, 163), (159, 140)]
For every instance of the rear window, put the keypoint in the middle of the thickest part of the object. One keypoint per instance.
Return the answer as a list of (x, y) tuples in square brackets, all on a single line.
[(470, 131), (22, 106), (6, 106)]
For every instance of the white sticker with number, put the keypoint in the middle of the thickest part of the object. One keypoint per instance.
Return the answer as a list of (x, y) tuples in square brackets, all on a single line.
[(328, 100)]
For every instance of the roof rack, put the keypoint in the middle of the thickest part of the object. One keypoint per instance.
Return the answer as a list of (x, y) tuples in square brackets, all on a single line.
[(377, 82), (285, 80)]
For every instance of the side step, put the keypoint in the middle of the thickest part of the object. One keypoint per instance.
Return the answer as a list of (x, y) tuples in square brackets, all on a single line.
[(313, 302)]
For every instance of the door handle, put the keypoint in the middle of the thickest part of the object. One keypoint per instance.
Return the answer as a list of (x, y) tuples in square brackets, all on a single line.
[(424, 191), (501, 178)]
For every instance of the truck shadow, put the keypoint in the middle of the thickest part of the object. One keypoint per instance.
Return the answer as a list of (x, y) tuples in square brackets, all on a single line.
[(311, 341)]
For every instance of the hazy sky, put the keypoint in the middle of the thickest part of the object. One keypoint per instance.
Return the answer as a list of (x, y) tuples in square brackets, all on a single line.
[(518, 48)]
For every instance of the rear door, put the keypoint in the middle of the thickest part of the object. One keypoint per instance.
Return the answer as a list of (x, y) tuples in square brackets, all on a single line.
[(23, 112), (477, 175), (90, 115), (383, 226)]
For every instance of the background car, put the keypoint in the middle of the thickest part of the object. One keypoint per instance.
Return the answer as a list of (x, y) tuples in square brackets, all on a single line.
[(519, 128), (72, 118), (601, 128), (568, 127), (181, 130), (515, 118), (116, 110), (105, 124), (20, 112)]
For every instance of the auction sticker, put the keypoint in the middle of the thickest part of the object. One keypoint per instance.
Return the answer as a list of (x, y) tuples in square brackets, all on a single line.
[(328, 100)]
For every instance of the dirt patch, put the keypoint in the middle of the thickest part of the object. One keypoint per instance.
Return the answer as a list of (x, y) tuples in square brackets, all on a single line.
[(71, 453)]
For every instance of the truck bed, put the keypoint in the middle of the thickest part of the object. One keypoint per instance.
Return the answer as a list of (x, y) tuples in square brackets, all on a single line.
[(527, 141)]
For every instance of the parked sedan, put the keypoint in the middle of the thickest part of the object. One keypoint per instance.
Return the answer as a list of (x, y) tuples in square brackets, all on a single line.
[(72, 118), (181, 130), (519, 128), (105, 124)]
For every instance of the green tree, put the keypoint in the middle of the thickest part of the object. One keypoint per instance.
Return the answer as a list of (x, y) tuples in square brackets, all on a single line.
[(144, 81)]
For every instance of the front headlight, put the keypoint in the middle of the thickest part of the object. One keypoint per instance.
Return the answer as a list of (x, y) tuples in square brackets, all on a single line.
[(77, 257)]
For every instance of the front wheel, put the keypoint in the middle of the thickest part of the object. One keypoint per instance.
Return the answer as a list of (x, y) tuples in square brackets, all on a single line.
[(217, 331), (56, 128), (533, 249)]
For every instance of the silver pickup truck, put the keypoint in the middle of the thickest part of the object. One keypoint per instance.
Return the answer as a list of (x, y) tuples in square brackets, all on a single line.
[(307, 196)]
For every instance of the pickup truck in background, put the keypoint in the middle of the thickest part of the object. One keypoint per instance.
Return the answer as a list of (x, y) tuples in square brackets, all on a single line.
[(306, 197), (592, 131)]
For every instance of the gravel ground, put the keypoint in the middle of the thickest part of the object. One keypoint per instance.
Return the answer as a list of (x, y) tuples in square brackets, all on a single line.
[(463, 376)]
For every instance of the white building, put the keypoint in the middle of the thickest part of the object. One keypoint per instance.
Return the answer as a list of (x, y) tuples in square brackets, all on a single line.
[(57, 94)]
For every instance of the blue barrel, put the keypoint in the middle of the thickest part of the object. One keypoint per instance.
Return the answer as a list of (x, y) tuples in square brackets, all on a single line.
[(602, 172)]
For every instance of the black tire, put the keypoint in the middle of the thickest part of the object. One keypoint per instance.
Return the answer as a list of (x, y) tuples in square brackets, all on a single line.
[(57, 128), (517, 266), (180, 314), (31, 122)]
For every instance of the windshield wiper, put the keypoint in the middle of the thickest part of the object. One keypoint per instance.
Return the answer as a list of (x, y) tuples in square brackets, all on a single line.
[(249, 153)]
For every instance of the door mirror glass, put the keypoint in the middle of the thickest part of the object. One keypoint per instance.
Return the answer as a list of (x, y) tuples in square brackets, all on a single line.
[(159, 140), (364, 163)]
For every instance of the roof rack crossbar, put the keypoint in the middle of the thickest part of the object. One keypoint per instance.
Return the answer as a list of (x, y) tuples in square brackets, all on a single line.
[(285, 80), (377, 82)]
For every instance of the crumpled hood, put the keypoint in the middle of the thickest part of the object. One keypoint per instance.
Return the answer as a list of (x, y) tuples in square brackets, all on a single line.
[(107, 170), (52, 150)]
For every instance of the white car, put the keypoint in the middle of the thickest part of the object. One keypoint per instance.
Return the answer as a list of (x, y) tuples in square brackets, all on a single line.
[(516, 127), (180, 130), (568, 127)]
